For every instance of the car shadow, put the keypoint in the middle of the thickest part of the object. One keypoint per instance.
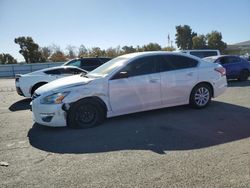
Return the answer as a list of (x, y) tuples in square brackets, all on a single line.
[(177, 128), (236, 83), (23, 104)]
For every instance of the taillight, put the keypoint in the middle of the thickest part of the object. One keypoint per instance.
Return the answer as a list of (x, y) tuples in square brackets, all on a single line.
[(221, 70)]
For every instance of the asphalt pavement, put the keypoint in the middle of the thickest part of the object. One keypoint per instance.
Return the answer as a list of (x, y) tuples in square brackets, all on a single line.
[(171, 147)]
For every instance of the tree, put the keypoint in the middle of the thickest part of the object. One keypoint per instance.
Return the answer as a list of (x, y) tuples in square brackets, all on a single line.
[(57, 54), (71, 52), (7, 59), (96, 52), (151, 47), (82, 51), (111, 52), (46, 52), (58, 57), (128, 49), (183, 37), (29, 49), (214, 41), (199, 42), (169, 49)]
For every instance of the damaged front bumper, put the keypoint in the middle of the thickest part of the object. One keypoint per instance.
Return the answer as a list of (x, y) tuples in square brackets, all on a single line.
[(51, 115)]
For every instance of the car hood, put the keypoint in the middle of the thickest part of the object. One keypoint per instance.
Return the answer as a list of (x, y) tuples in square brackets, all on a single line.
[(63, 83)]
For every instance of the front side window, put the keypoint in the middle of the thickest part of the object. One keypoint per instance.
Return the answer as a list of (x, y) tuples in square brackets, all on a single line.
[(108, 67), (143, 66)]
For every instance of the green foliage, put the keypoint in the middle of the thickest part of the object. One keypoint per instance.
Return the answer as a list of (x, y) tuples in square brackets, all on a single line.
[(82, 51), (170, 49), (214, 41), (199, 42), (46, 52), (151, 47), (184, 37), (29, 49), (128, 49), (96, 52), (58, 56), (71, 52), (7, 59)]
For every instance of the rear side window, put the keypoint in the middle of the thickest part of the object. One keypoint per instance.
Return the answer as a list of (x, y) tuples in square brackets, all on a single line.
[(53, 72), (202, 54), (91, 62), (227, 60), (175, 62), (104, 60)]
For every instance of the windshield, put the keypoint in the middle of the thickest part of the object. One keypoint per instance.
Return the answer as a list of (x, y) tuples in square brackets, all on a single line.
[(107, 68), (74, 62), (209, 59)]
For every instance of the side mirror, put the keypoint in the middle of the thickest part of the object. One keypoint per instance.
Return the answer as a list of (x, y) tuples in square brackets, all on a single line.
[(121, 75)]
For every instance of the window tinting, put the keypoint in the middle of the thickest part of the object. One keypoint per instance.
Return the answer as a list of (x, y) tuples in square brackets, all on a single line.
[(226, 60), (104, 60), (91, 62), (55, 71), (174, 62), (202, 54), (142, 66)]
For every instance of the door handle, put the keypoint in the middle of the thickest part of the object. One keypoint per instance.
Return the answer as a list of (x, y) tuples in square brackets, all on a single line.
[(154, 80), (190, 74)]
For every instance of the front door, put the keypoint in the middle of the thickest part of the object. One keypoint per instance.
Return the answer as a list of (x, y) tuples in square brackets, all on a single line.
[(139, 90)]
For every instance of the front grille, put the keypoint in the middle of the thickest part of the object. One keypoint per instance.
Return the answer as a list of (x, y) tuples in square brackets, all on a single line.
[(35, 95)]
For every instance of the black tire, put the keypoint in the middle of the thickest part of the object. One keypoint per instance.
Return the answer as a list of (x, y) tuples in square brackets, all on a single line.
[(200, 96), (85, 113), (36, 86), (243, 75)]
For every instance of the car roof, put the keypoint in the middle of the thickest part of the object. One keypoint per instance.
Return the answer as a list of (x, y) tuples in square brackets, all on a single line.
[(144, 54)]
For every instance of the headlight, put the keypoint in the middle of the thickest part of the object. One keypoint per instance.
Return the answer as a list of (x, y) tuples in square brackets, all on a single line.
[(55, 98)]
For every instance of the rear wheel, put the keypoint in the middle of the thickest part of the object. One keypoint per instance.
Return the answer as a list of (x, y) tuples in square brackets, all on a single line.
[(243, 75), (200, 96), (85, 113)]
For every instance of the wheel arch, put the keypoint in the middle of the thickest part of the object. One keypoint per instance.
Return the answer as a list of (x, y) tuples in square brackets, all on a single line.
[(97, 99), (32, 89), (204, 82)]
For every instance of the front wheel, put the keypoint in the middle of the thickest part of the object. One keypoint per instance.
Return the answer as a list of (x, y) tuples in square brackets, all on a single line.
[(85, 113), (200, 96)]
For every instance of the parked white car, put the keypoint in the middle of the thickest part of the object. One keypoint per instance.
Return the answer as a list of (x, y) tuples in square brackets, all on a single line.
[(26, 84), (127, 84)]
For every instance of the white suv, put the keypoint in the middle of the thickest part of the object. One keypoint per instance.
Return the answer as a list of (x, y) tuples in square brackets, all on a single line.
[(127, 84)]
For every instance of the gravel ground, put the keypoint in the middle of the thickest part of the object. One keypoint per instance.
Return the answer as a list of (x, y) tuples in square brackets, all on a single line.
[(172, 147)]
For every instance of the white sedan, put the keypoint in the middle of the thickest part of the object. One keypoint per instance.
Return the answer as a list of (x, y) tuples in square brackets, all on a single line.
[(127, 84), (26, 84)]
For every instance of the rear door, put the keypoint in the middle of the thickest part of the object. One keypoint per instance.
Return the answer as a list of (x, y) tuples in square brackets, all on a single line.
[(179, 74)]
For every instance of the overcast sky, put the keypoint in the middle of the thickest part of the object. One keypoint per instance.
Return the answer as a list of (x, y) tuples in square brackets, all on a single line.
[(109, 23)]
